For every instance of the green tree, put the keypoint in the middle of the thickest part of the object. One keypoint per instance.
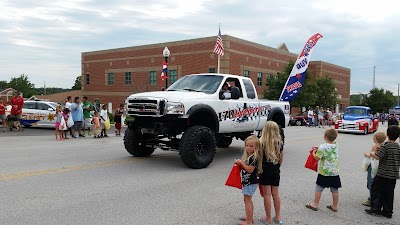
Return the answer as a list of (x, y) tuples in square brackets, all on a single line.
[(3, 84), (78, 82), (380, 100), (305, 98), (275, 85), (326, 93), (358, 99), (23, 85)]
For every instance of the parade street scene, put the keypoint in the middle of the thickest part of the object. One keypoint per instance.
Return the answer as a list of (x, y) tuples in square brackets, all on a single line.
[(199, 112), (98, 182)]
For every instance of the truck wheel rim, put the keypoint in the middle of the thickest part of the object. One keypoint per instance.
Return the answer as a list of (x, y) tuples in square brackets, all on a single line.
[(201, 149)]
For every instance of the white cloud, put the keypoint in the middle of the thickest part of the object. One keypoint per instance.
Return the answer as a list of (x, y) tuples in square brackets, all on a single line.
[(357, 34)]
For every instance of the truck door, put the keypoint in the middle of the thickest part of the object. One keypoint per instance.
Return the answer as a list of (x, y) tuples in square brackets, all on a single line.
[(236, 113)]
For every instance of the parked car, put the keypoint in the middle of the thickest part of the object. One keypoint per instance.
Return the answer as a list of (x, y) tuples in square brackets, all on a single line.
[(299, 120), (37, 113)]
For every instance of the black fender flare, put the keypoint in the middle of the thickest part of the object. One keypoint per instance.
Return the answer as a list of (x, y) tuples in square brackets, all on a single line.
[(277, 111), (205, 108)]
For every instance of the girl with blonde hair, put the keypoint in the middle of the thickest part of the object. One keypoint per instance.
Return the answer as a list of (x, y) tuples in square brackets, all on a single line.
[(251, 167), (272, 157)]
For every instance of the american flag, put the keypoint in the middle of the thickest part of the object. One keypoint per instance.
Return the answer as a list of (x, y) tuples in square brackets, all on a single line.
[(219, 46), (164, 71)]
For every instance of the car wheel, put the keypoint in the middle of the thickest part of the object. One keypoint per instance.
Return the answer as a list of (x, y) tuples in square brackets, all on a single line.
[(299, 123)]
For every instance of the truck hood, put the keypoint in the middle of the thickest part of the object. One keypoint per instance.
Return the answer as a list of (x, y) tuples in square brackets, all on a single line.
[(173, 96), (354, 117)]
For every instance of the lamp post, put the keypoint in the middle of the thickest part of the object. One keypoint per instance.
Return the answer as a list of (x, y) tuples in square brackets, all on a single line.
[(361, 97), (166, 53)]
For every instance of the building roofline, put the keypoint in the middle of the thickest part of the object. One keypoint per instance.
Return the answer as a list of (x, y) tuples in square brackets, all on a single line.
[(192, 41), (330, 64)]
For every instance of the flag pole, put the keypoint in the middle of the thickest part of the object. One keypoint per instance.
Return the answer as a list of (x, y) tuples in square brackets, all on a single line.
[(219, 58)]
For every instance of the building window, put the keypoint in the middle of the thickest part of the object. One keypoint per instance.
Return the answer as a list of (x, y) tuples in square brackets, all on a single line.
[(128, 78), (87, 79), (269, 76), (211, 70), (246, 73), (152, 77), (110, 80), (259, 79), (172, 76)]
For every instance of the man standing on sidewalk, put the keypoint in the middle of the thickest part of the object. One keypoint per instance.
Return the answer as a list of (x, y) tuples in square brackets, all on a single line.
[(16, 102), (87, 107), (77, 116)]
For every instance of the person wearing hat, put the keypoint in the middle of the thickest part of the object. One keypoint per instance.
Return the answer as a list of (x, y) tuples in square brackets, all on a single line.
[(87, 107)]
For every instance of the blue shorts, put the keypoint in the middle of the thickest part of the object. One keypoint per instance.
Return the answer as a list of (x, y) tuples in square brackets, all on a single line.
[(249, 190)]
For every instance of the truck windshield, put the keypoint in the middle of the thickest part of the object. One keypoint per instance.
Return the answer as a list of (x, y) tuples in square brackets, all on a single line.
[(395, 110), (199, 83), (356, 111)]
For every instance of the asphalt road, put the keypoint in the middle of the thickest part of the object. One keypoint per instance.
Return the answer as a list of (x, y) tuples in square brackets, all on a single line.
[(95, 181)]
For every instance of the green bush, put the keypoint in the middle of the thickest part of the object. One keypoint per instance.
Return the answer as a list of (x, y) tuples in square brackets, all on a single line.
[(111, 116)]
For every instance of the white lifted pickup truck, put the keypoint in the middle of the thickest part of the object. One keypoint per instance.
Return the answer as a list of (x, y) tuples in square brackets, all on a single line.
[(195, 114)]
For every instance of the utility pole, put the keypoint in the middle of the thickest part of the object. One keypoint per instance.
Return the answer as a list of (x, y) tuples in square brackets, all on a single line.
[(398, 94), (361, 97), (373, 80)]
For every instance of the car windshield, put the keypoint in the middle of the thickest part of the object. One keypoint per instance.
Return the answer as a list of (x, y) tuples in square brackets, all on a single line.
[(356, 111), (198, 83), (53, 104)]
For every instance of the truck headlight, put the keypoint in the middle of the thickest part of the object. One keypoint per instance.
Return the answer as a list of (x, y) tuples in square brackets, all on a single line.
[(175, 108)]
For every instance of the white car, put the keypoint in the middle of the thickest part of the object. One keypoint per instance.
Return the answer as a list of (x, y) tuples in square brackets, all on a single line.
[(37, 113)]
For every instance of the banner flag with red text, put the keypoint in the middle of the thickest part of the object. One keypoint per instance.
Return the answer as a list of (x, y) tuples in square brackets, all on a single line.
[(296, 78)]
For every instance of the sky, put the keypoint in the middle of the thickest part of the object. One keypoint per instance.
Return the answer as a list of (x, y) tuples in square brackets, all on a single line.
[(44, 39)]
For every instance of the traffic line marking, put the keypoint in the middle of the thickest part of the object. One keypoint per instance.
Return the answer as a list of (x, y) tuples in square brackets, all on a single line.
[(20, 175), (301, 140)]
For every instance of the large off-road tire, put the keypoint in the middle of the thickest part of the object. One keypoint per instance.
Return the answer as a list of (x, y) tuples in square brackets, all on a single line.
[(197, 147), (223, 141), (135, 144)]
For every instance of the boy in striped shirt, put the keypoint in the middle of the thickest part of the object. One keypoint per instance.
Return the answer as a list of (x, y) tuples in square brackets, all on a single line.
[(382, 189)]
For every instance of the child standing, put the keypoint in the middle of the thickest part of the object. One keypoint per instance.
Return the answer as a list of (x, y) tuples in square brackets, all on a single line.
[(96, 125), (103, 118), (66, 115), (3, 108), (272, 151), (382, 189), (57, 123), (118, 119), (328, 171), (249, 162), (379, 138)]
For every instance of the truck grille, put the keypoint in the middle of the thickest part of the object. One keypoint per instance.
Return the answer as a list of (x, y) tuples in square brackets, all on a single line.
[(145, 106)]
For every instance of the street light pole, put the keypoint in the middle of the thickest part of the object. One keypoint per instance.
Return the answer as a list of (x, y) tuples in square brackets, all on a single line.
[(361, 97), (166, 54), (398, 94)]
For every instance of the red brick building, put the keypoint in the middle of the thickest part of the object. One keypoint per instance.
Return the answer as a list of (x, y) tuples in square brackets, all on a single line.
[(112, 75)]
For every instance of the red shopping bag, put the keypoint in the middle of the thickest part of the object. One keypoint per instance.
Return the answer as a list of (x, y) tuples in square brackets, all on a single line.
[(311, 163), (234, 179)]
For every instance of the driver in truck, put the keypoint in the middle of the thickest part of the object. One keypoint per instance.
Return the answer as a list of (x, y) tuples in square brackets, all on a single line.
[(225, 92)]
